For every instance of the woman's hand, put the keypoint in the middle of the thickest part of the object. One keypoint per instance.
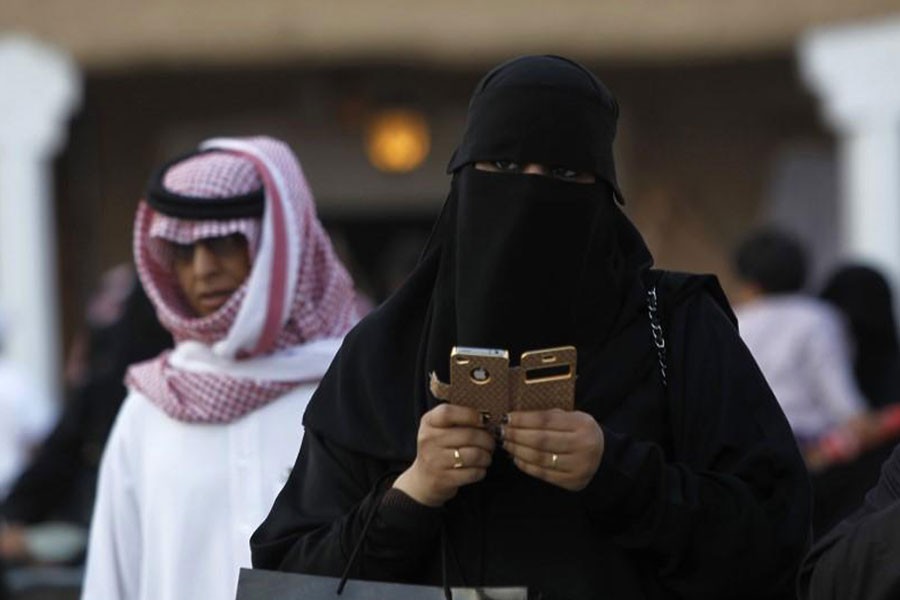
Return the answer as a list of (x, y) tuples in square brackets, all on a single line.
[(560, 447), (453, 449)]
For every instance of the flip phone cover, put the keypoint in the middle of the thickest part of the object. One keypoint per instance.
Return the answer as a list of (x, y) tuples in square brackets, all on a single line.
[(545, 379)]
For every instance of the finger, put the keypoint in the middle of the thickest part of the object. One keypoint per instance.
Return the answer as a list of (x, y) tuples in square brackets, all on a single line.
[(465, 458), (546, 440), (456, 437), (549, 475), (553, 419), (452, 415), (548, 460)]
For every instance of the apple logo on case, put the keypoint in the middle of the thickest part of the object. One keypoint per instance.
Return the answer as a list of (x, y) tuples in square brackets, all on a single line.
[(480, 375)]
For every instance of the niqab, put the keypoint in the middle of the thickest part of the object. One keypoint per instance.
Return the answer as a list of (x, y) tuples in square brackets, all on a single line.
[(515, 261)]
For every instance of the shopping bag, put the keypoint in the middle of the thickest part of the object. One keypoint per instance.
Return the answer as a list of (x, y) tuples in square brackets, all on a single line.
[(257, 584)]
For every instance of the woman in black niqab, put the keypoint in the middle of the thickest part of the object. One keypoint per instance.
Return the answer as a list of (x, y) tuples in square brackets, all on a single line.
[(689, 485), (514, 262)]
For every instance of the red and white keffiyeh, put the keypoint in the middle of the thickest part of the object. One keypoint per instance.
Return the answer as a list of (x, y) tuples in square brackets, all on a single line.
[(277, 331)]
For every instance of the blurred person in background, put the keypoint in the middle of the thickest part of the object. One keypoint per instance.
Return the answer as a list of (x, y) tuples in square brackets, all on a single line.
[(675, 475), (26, 416), (231, 253), (860, 558), (106, 306), (59, 484), (864, 297), (800, 343)]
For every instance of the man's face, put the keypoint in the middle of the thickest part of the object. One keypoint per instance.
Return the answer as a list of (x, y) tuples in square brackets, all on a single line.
[(210, 270)]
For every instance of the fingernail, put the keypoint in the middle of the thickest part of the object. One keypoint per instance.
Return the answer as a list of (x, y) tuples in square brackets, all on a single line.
[(505, 419), (485, 418)]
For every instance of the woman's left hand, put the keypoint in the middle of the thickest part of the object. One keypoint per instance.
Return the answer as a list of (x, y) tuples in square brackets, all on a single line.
[(560, 447)]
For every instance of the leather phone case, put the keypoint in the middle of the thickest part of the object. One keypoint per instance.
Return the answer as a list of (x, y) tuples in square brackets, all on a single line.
[(545, 379), (480, 382)]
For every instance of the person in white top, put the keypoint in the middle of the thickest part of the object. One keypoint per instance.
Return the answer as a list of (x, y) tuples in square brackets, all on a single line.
[(241, 272), (799, 342), (26, 417)]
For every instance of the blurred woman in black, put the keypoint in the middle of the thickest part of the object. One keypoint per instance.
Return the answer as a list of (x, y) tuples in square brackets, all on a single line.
[(59, 484), (864, 297), (862, 294), (676, 475), (858, 558)]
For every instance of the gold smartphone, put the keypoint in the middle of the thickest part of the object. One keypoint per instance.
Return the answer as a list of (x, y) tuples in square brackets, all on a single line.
[(546, 379), (479, 378)]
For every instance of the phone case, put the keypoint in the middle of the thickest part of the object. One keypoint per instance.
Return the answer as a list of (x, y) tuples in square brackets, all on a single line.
[(546, 379), (479, 378)]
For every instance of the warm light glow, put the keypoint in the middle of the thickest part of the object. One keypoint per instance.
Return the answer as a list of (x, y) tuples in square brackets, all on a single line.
[(397, 141)]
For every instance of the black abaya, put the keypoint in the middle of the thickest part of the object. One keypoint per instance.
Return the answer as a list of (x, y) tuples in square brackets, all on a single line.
[(701, 492)]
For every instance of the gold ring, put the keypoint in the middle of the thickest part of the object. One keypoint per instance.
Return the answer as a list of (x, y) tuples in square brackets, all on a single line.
[(553, 460), (457, 459)]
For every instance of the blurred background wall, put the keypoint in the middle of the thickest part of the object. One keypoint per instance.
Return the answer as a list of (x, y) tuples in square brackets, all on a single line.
[(719, 130)]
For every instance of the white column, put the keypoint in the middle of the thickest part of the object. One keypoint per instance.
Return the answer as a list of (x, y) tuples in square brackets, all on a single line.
[(41, 87), (870, 162), (855, 70)]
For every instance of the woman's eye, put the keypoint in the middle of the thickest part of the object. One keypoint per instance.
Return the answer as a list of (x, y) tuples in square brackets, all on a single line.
[(571, 175), (507, 165), (564, 173)]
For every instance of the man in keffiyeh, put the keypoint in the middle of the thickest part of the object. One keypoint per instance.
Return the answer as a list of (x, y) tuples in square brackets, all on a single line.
[(241, 272)]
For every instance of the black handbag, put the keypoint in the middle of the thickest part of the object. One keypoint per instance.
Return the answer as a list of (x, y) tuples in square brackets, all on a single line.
[(257, 584)]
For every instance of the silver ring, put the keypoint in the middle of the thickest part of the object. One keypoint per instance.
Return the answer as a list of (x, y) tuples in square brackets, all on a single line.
[(553, 460)]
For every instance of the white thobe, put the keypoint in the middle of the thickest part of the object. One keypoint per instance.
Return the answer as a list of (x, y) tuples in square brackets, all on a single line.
[(177, 502)]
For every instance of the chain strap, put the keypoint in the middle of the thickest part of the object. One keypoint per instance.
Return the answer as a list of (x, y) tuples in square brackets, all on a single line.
[(656, 329)]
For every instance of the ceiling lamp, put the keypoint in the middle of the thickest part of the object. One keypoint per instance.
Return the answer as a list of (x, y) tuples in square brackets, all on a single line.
[(397, 140)]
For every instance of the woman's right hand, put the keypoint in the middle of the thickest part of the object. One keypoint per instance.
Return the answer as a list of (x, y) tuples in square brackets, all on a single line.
[(453, 449)]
